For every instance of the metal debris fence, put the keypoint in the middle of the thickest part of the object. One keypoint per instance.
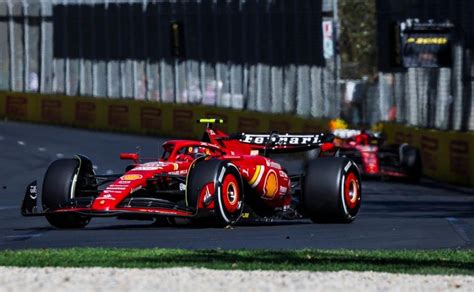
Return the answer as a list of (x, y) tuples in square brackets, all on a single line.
[(272, 81)]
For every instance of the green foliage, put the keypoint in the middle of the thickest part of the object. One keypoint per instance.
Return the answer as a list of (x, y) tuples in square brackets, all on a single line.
[(357, 43), (401, 261)]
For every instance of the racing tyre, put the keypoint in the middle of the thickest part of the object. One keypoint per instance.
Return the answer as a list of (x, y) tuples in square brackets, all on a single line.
[(59, 186), (410, 162), (332, 190), (229, 197)]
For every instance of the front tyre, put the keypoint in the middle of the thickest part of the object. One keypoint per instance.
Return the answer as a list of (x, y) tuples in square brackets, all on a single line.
[(224, 201), (332, 190), (59, 186), (229, 198)]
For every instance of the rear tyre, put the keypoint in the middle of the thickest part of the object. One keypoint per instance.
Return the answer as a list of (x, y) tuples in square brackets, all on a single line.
[(410, 162), (332, 190), (59, 186)]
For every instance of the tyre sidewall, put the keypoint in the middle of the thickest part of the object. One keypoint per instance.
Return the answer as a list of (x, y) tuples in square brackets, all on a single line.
[(323, 190), (223, 216)]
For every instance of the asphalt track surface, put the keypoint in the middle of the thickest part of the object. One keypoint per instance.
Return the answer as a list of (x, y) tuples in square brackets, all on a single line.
[(394, 215)]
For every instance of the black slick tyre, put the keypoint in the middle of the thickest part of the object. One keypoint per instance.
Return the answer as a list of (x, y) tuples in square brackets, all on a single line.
[(59, 186), (331, 190), (410, 162), (223, 182)]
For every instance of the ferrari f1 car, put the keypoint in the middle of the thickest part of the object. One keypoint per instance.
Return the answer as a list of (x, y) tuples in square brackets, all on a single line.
[(377, 159), (222, 178)]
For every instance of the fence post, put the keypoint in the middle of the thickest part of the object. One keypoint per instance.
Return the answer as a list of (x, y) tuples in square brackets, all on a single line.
[(4, 47), (457, 112)]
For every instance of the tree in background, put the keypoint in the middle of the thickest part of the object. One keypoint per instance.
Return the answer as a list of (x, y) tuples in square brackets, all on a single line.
[(357, 44)]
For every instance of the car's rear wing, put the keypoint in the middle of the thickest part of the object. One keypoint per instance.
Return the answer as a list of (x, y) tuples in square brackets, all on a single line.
[(351, 133), (275, 142)]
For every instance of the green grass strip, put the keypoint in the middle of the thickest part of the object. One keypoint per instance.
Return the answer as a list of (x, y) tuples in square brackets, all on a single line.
[(404, 261)]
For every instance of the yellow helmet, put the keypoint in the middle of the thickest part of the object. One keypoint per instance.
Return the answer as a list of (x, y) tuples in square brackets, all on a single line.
[(335, 124)]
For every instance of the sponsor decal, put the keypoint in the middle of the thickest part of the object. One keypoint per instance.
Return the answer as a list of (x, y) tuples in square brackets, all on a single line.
[(118, 116), (183, 121), (283, 190), (124, 182), (16, 107), (221, 175), (147, 168), (348, 165), (85, 112), (150, 118), (131, 177), (270, 187), (51, 110), (286, 139), (106, 197), (113, 187), (459, 157)]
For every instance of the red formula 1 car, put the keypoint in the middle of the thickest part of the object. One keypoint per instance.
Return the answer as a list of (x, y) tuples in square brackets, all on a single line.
[(377, 159), (223, 177)]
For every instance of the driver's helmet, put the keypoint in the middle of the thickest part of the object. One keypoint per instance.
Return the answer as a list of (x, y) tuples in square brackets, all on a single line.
[(200, 151)]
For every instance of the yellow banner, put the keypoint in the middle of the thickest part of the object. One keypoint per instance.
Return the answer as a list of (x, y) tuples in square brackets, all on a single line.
[(446, 156), (145, 117)]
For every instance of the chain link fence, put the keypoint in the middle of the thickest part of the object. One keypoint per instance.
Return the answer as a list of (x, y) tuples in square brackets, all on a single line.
[(257, 55)]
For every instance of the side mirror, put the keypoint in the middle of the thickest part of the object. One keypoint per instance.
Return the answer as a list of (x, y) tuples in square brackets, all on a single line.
[(130, 156)]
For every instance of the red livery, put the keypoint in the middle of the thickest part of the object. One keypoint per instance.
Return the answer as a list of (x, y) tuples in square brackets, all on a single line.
[(223, 177), (375, 158)]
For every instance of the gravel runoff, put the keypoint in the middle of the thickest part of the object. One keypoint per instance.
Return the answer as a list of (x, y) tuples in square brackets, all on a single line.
[(191, 279)]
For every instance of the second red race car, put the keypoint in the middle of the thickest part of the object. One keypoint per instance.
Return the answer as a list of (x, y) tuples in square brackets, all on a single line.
[(376, 158), (222, 178)]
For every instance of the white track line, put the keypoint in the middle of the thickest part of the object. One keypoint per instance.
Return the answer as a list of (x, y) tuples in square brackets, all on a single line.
[(21, 143)]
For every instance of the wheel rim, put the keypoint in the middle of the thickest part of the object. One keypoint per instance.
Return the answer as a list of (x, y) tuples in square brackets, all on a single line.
[(351, 191), (230, 193)]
